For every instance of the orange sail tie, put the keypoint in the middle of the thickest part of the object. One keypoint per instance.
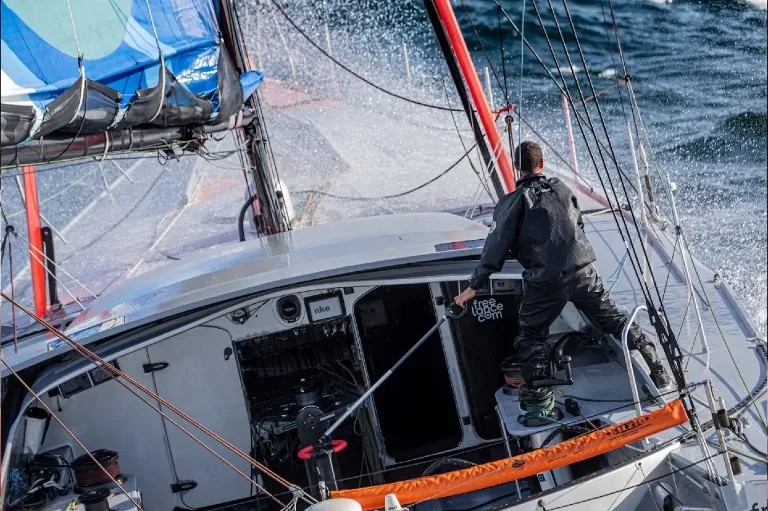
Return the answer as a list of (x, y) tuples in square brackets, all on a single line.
[(525, 465)]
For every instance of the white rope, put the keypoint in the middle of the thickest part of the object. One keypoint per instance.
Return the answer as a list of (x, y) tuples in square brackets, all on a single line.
[(162, 64), (74, 32), (65, 272), (470, 213), (54, 277), (80, 64)]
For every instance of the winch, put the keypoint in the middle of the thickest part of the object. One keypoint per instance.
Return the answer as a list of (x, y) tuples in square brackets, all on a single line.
[(536, 396)]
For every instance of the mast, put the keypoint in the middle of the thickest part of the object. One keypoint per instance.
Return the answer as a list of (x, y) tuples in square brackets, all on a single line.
[(451, 29), (482, 144), (35, 239)]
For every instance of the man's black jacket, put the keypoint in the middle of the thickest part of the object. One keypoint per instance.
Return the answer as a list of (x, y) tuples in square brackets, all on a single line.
[(540, 225)]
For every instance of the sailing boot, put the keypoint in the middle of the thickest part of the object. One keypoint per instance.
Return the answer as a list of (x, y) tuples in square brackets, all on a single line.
[(659, 375)]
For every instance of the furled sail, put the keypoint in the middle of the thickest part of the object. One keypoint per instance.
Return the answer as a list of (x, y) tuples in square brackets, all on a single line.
[(87, 67)]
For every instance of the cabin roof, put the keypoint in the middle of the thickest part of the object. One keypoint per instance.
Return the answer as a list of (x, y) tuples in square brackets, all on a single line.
[(229, 271)]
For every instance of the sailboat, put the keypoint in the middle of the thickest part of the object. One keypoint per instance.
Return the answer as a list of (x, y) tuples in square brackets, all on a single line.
[(326, 367)]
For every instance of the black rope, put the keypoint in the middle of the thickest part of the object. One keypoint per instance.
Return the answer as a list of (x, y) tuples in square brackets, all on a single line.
[(395, 195), (503, 63), (479, 40), (671, 262), (507, 117), (463, 145), (624, 68), (353, 73), (563, 92), (8, 230), (569, 98), (613, 156)]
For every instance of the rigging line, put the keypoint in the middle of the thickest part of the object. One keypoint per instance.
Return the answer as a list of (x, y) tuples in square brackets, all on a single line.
[(353, 73), (578, 103), (563, 92), (58, 193), (672, 348), (613, 61), (461, 139), (13, 295), (479, 40), (74, 32), (628, 239), (52, 275), (507, 106), (95, 359), (163, 72), (522, 60), (669, 271), (82, 160), (610, 145), (48, 259), (70, 433), (645, 481), (503, 64), (725, 341), (567, 94), (393, 196), (263, 125)]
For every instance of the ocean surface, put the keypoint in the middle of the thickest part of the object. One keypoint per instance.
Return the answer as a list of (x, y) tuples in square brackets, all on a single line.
[(698, 69)]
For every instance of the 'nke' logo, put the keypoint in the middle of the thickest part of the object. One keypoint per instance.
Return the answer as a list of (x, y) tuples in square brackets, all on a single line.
[(486, 310)]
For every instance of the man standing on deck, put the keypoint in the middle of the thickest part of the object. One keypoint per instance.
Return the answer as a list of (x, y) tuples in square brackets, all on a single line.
[(540, 225)]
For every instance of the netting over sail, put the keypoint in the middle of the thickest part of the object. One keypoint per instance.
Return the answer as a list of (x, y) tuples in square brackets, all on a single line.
[(78, 67)]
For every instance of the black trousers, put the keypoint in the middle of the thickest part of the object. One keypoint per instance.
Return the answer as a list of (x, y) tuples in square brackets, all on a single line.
[(585, 289)]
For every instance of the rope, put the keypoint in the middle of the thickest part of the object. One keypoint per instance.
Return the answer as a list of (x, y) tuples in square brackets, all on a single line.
[(48, 259), (162, 65), (725, 342), (645, 481), (45, 266), (522, 53), (115, 372), (69, 432), (353, 73), (74, 32), (567, 94), (400, 194), (13, 293), (461, 139)]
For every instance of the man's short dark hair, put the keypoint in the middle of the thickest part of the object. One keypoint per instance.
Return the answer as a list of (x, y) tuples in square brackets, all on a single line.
[(528, 156)]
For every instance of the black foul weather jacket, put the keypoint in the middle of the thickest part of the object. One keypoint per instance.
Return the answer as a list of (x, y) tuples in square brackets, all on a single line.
[(540, 225)]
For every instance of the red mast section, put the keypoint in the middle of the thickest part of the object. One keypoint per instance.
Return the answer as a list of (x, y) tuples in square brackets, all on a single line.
[(452, 30), (35, 239)]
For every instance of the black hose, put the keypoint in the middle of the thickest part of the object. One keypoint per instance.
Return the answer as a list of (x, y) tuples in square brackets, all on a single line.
[(241, 216)]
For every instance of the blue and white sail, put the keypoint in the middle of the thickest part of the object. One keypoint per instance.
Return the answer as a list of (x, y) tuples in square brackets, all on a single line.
[(79, 67)]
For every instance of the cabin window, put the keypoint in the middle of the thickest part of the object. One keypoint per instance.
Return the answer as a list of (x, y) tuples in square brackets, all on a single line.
[(416, 408)]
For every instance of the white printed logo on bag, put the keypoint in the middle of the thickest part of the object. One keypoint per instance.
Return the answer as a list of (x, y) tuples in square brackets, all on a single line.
[(487, 310)]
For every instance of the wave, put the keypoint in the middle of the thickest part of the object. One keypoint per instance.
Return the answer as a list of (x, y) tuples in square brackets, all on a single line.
[(740, 137)]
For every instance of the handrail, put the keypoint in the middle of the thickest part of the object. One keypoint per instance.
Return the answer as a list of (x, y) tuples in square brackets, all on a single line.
[(628, 358)]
